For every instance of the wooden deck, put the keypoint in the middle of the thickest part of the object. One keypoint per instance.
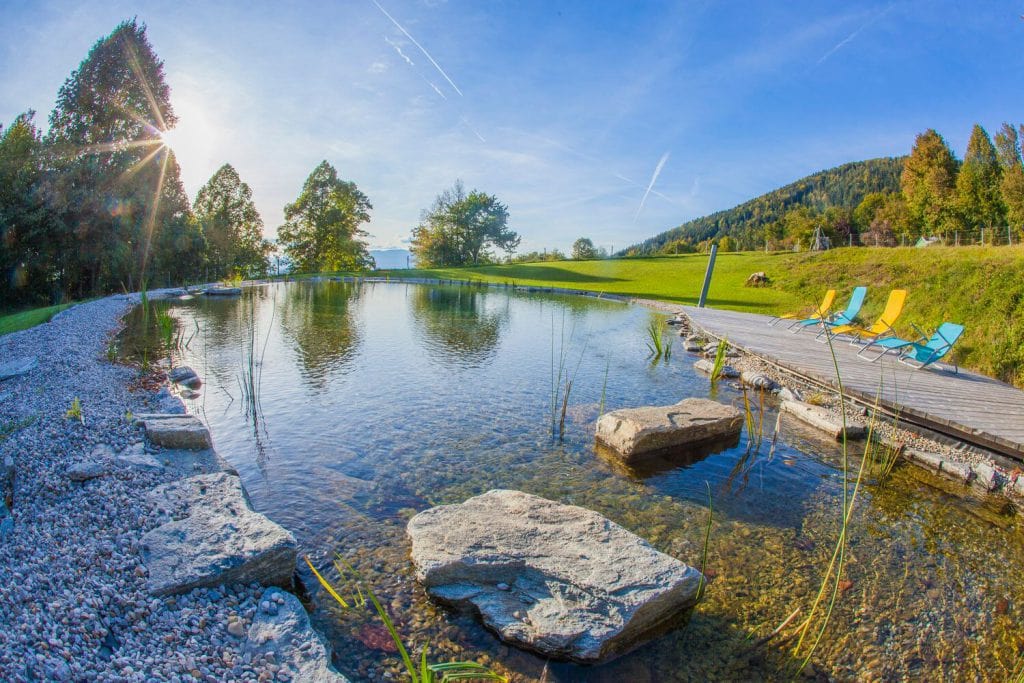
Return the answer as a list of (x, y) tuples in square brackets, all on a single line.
[(967, 406)]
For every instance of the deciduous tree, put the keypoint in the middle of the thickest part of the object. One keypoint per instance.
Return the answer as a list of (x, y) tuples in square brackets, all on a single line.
[(583, 249), (321, 230), (461, 228), (929, 183)]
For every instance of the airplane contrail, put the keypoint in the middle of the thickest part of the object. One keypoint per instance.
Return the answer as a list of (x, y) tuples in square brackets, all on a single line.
[(470, 126), (650, 185), (422, 49), (853, 35), (398, 49)]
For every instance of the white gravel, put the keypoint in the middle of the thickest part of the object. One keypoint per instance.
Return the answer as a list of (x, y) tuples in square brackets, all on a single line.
[(72, 600)]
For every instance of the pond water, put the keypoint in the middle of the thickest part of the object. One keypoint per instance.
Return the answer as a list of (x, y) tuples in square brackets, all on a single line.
[(378, 400)]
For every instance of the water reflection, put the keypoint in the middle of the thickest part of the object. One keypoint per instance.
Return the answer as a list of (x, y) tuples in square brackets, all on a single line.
[(460, 325), (318, 320)]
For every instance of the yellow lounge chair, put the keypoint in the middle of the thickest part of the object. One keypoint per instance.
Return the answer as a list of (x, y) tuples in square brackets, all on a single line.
[(880, 328), (820, 312)]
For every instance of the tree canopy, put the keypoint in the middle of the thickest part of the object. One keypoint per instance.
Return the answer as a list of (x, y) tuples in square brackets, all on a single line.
[(321, 230), (583, 249), (232, 226), (461, 228)]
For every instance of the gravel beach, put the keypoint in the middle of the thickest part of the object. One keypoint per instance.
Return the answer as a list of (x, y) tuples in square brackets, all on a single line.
[(72, 583)]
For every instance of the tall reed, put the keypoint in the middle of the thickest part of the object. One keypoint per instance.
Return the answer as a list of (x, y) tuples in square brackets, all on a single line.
[(659, 342)]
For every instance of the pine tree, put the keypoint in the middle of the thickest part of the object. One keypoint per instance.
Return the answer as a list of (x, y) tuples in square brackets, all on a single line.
[(321, 230), (109, 163), (979, 200), (231, 225), (928, 183)]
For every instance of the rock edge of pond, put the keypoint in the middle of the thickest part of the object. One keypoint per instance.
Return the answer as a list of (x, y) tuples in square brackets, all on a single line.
[(88, 489)]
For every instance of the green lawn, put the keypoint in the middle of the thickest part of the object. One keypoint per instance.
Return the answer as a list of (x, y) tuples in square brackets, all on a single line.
[(23, 320), (669, 278)]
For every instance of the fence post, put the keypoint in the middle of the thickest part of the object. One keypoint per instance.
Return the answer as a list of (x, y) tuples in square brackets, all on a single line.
[(707, 276)]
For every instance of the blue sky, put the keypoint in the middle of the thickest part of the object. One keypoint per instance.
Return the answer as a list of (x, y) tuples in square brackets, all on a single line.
[(565, 110)]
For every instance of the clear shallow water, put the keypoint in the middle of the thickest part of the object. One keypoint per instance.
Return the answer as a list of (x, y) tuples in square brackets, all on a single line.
[(379, 400)]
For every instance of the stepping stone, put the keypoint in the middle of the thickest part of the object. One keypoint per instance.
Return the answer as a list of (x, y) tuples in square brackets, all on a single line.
[(825, 420), (636, 432), (17, 367), (222, 291), (573, 584), (217, 539), (285, 632), (175, 431)]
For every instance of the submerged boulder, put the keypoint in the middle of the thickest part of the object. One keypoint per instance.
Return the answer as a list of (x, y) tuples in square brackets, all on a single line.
[(557, 579), (634, 432), (215, 538), (825, 420)]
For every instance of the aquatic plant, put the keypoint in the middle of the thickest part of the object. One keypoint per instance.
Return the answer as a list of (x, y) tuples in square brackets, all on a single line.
[(707, 543), (424, 673), (604, 388), (658, 340), (831, 580), (111, 351), (719, 363), (559, 392), (75, 411)]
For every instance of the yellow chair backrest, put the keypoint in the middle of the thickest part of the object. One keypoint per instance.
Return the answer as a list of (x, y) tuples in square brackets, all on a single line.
[(826, 303), (893, 308)]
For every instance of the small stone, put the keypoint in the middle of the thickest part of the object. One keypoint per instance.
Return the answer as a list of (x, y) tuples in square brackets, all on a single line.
[(502, 586), (236, 628), (85, 471)]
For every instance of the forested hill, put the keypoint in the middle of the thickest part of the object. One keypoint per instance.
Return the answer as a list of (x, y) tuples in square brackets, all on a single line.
[(843, 186)]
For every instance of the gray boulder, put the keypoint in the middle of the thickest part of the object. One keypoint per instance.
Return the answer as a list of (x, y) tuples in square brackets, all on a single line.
[(222, 291), (825, 420), (16, 367), (281, 627), (758, 380), (215, 538), (557, 579), (135, 457), (693, 343), (175, 431), (84, 471), (634, 432)]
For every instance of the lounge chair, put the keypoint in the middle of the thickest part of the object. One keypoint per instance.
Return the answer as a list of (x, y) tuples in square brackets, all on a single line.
[(820, 312), (878, 329), (921, 352), (844, 318)]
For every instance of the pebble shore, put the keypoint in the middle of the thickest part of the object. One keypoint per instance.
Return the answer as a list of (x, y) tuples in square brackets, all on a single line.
[(72, 582)]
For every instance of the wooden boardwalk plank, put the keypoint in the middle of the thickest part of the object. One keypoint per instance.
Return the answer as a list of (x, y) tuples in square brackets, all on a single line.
[(965, 405)]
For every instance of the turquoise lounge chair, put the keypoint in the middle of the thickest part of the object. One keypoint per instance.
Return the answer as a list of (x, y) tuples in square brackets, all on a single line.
[(844, 318), (921, 352)]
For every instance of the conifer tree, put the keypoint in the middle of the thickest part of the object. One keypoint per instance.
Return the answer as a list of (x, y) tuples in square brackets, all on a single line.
[(1012, 182), (109, 165), (231, 225), (979, 199)]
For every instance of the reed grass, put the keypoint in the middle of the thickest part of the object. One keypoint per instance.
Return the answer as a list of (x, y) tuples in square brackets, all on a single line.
[(659, 341), (560, 392), (719, 363), (707, 543), (425, 672)]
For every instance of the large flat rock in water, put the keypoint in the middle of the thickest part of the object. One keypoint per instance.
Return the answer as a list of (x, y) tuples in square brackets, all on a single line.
[(557, 579), (214, 538), (635, 432)]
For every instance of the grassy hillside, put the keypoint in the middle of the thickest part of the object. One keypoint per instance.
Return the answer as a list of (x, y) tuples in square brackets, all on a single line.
[(982, 287), (843, 186)]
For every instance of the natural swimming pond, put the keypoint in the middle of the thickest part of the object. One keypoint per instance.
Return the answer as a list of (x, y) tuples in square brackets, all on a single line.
[(378, 400)]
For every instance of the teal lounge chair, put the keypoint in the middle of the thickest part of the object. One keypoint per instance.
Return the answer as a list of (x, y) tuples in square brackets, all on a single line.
[(921, 352), (844, 318)]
